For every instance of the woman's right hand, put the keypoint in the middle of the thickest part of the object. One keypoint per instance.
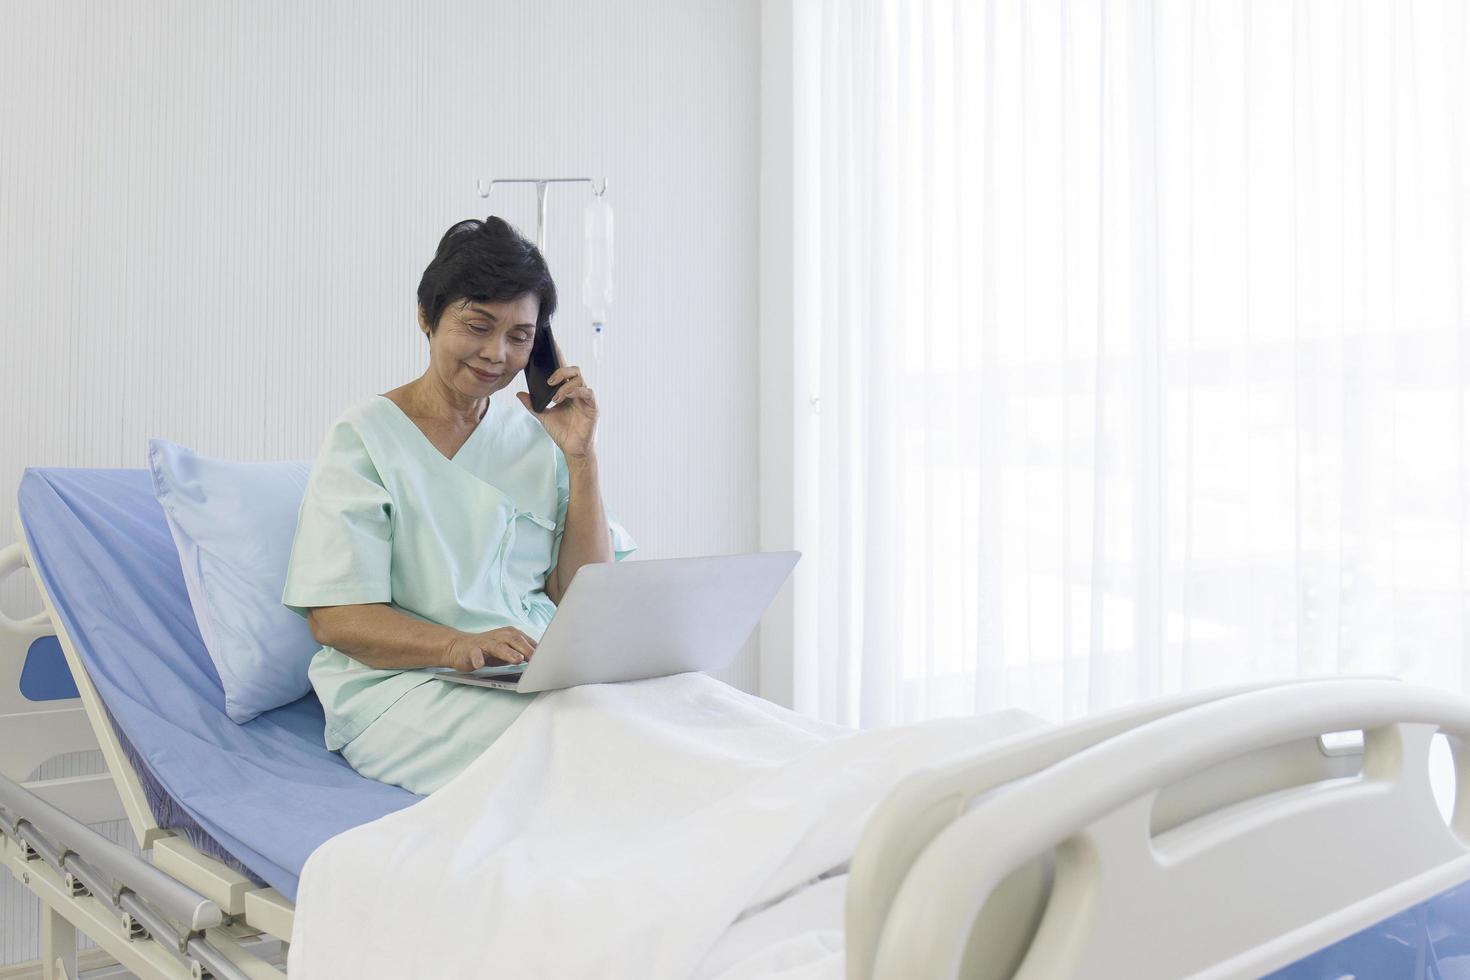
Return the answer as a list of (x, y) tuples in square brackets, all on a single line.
[(470, 651)]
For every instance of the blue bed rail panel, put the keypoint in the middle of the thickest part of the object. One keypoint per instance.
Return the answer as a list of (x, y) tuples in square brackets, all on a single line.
[(44, 676), (1430, 941)]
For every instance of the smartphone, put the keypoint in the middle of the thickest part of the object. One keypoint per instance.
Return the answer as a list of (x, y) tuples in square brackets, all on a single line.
[(542, 364)]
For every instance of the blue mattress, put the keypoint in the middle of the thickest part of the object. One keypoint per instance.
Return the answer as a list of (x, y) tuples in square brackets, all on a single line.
[(266, 793)]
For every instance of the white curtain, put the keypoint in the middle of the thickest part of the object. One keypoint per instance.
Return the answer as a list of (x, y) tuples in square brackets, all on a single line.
[(1137, 333)]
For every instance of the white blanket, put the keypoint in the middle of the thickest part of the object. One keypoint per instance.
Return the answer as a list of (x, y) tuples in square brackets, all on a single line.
[(614, 830)]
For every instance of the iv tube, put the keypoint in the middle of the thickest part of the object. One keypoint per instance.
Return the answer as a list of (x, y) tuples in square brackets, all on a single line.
[(597, 286)]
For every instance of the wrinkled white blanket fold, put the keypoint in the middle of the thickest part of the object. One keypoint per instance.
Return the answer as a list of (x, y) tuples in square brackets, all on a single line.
[(614, 830)]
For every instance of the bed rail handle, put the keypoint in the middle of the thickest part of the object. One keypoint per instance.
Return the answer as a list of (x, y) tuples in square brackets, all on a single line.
[(934, 912), (174, 899), (924, 803), (12, 559)]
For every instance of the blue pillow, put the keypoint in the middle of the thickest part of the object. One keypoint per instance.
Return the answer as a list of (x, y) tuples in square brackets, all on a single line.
[(233, 524)]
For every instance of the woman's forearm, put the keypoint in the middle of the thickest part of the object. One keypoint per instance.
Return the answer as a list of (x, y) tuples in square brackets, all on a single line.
[(377, 635), (586, 537)]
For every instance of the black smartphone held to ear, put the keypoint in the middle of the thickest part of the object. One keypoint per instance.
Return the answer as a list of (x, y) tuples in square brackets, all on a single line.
[(540, 367)]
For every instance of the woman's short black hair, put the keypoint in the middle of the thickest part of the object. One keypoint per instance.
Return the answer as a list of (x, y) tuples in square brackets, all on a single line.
[(485, 261)]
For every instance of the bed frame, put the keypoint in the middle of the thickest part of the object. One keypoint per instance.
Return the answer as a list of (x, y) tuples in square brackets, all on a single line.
[(1000, 862), (129, 907), (1260, 816), (922, 806)]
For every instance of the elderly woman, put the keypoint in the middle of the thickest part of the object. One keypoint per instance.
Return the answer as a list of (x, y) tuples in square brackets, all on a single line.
[(440, 527)]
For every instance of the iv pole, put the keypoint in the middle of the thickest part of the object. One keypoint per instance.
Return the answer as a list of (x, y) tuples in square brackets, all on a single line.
[(541, 189)]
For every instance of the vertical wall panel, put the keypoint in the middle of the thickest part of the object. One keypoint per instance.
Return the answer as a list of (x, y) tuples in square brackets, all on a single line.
[(214, 216)]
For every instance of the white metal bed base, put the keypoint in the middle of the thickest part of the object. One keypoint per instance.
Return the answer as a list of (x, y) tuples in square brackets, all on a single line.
[(107, 909)]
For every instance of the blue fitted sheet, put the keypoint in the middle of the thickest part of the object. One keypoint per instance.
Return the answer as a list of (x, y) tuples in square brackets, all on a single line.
[(268, 792)]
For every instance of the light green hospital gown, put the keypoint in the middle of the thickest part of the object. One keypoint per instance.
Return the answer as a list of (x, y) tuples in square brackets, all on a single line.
[(465, 542)]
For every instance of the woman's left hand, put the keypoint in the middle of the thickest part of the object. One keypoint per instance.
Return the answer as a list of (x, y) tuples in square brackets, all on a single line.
[(571, 418)]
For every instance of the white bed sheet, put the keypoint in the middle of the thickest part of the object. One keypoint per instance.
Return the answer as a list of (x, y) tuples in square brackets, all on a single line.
[(798, 938), (620, 830)]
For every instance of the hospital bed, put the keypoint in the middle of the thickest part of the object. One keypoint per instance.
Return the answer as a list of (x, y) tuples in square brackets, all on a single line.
[(1222, 833)]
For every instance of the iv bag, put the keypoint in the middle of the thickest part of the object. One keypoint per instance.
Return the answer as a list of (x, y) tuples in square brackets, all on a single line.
[(597, 287)]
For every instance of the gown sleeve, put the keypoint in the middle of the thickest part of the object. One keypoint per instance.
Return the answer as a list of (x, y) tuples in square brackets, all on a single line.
[(623, 544), (342, 552)]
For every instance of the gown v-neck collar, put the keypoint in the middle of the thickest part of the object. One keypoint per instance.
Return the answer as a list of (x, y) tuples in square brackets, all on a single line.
[(484, 419)]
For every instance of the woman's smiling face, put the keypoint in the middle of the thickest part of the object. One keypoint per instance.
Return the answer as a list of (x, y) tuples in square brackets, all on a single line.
[(479, 347)]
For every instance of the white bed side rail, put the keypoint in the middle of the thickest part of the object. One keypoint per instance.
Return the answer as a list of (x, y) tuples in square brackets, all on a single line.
[(1222, 893), (23, 813), (148, 902), (927, 800), (32, 732)]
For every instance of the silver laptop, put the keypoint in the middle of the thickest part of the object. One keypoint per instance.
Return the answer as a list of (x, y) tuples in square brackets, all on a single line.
[(627, 620)]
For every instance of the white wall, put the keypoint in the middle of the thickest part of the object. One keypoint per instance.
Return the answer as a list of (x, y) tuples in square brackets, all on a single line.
[(785, 394), (213, 218)]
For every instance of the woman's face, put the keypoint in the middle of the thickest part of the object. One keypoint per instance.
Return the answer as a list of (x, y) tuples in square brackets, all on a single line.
[(480, 346)]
